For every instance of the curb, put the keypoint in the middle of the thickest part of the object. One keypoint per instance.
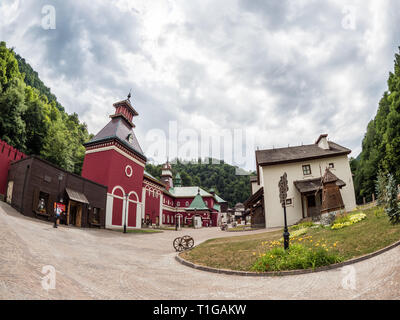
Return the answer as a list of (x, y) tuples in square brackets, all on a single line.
[(284, 273)]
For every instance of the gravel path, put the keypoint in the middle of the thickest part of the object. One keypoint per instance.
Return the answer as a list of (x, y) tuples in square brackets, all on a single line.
[(103, 264)]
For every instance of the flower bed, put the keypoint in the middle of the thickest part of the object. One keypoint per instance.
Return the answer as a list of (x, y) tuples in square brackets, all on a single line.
[(298, 256), (348, 220)]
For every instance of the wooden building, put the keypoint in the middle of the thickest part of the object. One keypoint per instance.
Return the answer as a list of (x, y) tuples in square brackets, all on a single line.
[(35, 185)]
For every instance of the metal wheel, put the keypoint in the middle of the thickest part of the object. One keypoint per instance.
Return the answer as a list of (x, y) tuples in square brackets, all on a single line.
[(178, 244), (188, 242)]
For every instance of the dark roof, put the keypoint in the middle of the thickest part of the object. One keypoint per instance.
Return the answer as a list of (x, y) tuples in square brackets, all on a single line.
[(118, 129), (300, 153), (309, 185), (329, 177)]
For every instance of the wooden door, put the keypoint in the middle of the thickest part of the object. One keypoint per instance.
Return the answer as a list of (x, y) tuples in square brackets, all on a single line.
[(78, 221)]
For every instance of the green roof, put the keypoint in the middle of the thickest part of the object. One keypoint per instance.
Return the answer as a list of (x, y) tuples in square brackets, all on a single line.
[(198, 203), (219, 199), (217, 207)]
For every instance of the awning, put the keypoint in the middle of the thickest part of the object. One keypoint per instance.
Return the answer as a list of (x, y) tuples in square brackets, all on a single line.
[(76, 196), (254, 198), (311, 185)]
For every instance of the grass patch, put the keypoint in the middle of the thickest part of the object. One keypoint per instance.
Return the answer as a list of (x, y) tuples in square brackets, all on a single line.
[(241, 252)]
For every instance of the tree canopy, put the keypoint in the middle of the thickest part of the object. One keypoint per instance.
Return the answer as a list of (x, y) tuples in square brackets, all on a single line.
[(31, 118), (381, 143)]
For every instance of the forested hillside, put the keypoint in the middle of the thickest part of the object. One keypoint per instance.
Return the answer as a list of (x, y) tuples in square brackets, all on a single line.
[(32, 120), (381, 143), (222, 177)]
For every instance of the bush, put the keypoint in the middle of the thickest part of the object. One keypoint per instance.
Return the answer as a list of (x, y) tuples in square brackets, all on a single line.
[(296, 257)]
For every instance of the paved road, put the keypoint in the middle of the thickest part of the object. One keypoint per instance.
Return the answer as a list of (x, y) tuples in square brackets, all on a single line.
[(102, 264)]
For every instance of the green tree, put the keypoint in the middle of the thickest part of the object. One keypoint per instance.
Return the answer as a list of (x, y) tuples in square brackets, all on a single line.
[(392, 208)]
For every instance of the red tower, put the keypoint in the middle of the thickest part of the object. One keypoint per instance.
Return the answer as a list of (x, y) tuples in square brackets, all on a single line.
[(114, 158)]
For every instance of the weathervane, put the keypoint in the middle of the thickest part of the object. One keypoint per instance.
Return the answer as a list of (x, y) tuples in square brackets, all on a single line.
[(129, 94)]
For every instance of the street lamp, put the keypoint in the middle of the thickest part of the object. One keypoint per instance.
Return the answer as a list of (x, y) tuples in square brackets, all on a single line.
[(283, 189), (126, 210)]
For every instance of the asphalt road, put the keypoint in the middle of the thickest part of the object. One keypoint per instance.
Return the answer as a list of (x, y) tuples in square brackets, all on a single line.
[(103, 264)]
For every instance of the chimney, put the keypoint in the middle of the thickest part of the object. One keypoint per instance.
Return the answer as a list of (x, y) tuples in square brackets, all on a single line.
[(322, 142)]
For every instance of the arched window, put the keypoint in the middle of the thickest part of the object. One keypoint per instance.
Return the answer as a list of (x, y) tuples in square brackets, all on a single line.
[(178, 204), (187, 203)]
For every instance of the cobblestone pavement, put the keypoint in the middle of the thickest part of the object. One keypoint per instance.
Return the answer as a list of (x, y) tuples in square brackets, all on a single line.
[(103, 264)]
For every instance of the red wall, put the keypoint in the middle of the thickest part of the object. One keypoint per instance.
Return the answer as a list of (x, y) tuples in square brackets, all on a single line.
[(152, 205), (108, 168), (7, 154)]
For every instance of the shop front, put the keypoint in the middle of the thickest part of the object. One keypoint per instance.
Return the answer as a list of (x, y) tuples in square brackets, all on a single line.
[(39, 188)]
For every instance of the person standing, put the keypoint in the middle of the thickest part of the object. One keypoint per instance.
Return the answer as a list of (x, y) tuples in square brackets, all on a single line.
[(57, 212)]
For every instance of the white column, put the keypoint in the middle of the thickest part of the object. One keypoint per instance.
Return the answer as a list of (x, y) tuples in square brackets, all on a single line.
[(143, 202), (161, 204)]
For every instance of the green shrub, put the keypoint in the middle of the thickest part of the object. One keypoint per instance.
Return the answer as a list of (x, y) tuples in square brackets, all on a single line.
[(296, 257)]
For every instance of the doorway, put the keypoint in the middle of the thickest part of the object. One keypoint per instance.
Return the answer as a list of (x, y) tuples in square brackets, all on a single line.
[(74, 213), (313, 202)]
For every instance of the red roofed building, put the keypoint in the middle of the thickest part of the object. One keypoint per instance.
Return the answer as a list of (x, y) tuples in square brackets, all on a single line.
[(134, 197)]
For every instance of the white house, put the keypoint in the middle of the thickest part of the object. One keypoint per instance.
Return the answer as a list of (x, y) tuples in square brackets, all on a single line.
[(305, 166)]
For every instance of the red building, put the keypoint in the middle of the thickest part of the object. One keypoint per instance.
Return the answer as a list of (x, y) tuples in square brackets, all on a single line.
[(114, 158), (135, 198)]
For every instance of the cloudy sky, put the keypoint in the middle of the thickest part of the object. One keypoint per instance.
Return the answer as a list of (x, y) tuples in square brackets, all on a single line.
[(285, 71)]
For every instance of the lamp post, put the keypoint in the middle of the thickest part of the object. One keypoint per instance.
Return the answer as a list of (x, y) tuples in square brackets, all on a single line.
[(126, 210), (283, 189)]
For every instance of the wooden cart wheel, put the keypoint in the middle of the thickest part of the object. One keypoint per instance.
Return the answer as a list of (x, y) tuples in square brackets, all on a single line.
[(178, 244), (188, 242)]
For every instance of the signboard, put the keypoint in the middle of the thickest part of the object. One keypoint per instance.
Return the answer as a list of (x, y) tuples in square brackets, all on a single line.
[(283, 189)]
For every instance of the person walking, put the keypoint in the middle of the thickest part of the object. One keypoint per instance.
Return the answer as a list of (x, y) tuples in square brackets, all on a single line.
[(57, 214)]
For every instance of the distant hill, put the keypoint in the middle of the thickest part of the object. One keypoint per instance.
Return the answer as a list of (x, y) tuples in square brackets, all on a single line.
[(222, 177)]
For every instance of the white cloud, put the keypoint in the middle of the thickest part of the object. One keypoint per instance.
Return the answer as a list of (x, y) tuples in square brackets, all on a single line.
[(284, 71)]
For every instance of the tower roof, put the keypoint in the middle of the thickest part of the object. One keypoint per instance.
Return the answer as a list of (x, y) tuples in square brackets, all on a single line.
[(329, 177), (198, 203), (120, 130)]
